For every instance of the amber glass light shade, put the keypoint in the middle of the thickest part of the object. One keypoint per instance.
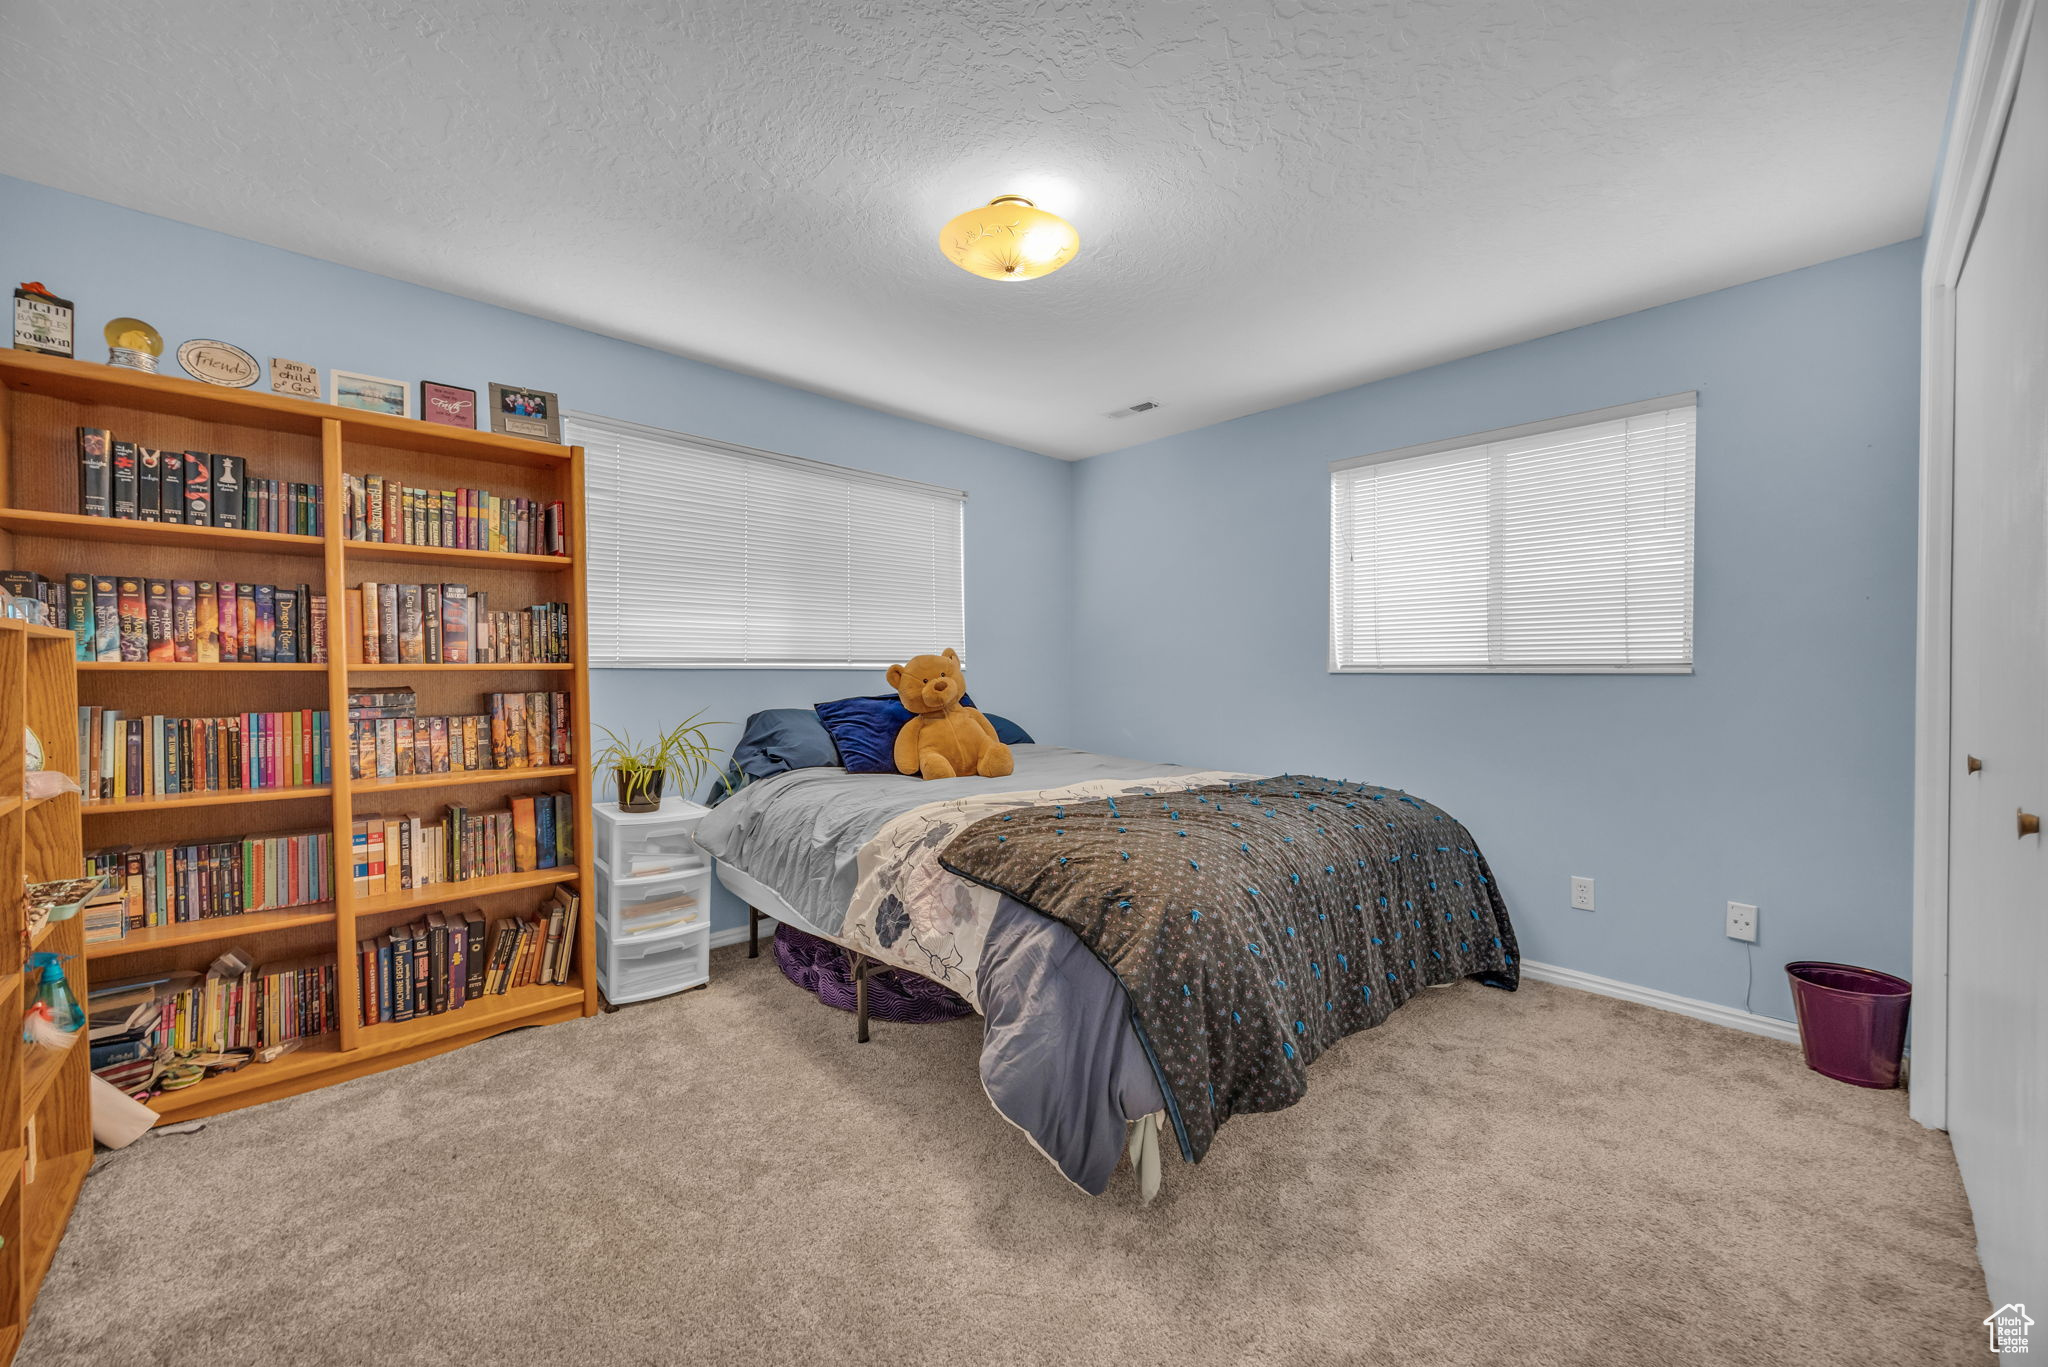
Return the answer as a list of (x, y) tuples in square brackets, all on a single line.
[(1009, 239)]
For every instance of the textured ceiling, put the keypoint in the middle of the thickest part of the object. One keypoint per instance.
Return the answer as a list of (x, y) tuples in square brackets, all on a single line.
[(1275, 200)]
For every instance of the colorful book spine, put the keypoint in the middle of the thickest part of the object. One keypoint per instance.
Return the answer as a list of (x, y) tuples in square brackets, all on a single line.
[(163, 643), (198, 489), (185, 621)]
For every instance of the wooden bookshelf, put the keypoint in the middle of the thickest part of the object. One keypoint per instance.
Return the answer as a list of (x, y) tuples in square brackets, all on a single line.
[(43, 400), (45, 1105)]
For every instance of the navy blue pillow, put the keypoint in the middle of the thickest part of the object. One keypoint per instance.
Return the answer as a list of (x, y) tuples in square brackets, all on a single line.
[(1007, 731), (781, 739), (865, 730)]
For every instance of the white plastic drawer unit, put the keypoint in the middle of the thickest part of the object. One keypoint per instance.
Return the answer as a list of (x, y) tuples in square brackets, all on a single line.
[(648, 844), (644, 966), (650, 906)]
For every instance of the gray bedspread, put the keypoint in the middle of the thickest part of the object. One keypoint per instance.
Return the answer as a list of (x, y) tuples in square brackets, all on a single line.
[(1059, 1058), (801, 832)]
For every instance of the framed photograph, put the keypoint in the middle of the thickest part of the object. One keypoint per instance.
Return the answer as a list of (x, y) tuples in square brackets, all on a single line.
[(447, 404), (521, 412), (369, 393)]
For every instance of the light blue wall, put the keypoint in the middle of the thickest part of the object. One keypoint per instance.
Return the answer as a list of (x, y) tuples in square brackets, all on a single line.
[(1169, 601), (1778, 773), (190, 282)]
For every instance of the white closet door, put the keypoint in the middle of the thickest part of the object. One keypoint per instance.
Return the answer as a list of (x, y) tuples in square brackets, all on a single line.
[(1998, 888)]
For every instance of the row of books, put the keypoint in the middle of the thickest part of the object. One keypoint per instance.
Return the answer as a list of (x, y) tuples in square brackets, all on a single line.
[(164, 885), (441, 964), (403, 624), (381, 509), (158, 756), (118, 619), (521, 731), (124, 479), (395, 853), (135, 1023)]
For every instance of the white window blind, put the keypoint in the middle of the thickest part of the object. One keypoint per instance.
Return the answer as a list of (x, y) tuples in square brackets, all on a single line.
[(708, 555), (1562, 546)]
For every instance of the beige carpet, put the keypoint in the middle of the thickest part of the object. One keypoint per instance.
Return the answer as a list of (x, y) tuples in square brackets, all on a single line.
[(724, 1177)]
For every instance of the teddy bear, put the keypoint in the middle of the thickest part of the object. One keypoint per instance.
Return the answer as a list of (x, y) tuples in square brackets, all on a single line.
[(942, 739)]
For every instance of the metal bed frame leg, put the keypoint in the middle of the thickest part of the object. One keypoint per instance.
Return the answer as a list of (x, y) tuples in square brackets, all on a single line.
[(753, 933), (861, 964)]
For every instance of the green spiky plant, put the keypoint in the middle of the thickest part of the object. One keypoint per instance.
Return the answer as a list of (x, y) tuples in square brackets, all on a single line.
[(683, 752)]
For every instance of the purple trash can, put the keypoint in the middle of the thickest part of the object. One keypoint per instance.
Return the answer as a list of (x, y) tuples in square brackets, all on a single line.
[(1852, 1021)]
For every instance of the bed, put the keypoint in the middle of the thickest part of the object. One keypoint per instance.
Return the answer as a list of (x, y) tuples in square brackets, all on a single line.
[(1153, 948)]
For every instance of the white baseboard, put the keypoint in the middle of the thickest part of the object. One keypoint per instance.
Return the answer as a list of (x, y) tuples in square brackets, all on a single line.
[(737, 935), (1713, 1014), (1768, 1026)]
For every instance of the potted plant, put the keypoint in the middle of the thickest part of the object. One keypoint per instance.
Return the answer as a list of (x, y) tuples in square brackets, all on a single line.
[(683, 753)]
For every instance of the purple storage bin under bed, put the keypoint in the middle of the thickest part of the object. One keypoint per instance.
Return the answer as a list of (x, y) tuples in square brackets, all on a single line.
[(821, 968)]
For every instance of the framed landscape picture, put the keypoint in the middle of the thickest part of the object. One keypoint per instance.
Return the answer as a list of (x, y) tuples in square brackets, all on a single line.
[(447, 404), (369, 393), (521, 412)]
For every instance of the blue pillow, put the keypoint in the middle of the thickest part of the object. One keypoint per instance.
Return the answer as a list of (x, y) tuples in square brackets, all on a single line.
[(865, 730), (1007, 731), (781, 739)]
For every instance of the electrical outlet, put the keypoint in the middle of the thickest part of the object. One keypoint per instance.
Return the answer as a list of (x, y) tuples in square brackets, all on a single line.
[(1582, 893), (1742, 921)]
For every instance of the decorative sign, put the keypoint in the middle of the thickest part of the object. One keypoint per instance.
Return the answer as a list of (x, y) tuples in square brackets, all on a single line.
[(447, 404), (42, 321), (523, 412), (369, 393), (295, 378), (221, 363)]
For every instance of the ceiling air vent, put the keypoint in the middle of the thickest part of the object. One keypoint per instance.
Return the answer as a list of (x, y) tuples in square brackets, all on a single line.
[(1146, 406)]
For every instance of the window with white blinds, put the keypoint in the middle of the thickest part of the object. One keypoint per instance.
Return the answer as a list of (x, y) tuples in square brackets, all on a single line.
[(1559, 547), (708, 555)]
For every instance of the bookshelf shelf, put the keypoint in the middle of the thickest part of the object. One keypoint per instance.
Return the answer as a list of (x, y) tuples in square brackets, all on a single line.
[(186, 667), (458, 778), (182, 801), (436, 894), (40, 1071), (520, 1001), (319, 1062), (453, 556), (210, 930), (126, 531), (455, 669), (43, 400), (306, 1067)]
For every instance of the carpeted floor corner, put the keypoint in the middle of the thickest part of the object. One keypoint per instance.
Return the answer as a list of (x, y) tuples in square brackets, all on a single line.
[(725, 1177)]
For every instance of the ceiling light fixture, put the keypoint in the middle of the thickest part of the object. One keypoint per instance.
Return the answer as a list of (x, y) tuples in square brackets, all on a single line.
[(1009, 239)]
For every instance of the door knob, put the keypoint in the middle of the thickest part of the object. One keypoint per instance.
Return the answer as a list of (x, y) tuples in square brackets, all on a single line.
[(1972, 763), (2029, 824)]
